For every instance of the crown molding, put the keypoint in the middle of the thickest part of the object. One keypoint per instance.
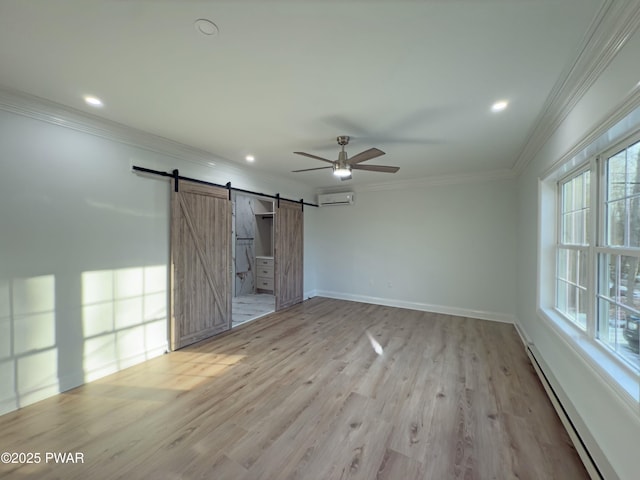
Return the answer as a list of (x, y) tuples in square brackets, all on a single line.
[(54, 113), (618, 113), (610, 30), (57, 114), (459, 179)]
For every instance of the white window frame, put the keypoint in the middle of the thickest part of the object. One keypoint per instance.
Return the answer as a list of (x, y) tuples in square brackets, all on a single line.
[(614, 369), (583, 168), (602, 247)]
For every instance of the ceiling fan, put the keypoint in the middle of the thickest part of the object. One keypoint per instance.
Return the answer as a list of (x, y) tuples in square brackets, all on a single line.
[(343, 166)]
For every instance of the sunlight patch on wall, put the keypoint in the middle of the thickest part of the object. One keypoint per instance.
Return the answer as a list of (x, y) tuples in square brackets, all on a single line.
[(99, 356), (5, 318), (7, 382), (128, 312), (34, 333), (34, 295), (28, 332), (7, 364), (97, 286), (97, 319), (130, 345), (124, 317), (128, 282), (155, 294), (38, 371), (155, 332)]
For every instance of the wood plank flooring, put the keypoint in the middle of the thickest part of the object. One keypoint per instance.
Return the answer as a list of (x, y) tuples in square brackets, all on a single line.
[(301, 394)]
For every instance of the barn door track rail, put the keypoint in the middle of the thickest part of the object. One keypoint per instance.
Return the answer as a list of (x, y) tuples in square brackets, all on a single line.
[(175, 175)]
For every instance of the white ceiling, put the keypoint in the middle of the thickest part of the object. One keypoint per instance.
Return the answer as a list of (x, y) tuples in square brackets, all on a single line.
[(413, 78)]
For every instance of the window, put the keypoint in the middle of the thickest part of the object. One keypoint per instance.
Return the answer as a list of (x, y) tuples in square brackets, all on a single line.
[(573, 243), (618, 254), (597, 251)]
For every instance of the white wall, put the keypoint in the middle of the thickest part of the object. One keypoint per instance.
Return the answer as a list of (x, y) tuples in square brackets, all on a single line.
[(443, 248), (609, 425), (84, 248)]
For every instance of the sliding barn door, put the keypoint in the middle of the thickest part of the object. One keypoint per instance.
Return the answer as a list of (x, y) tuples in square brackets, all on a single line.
[(200, 263), (288, 254)]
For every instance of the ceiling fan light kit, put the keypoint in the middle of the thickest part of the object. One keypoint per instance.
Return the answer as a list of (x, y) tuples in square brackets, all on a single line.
[(343, 166), (342, 171)]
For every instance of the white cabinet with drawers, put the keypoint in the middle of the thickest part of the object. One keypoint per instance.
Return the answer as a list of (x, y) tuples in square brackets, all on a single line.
[(264, 274)]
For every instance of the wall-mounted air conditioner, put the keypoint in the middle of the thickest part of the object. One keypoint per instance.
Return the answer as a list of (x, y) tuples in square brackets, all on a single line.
[(344, 198)]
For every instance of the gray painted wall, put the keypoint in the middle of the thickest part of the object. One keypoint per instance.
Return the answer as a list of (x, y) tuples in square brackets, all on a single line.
[(446, 248), (84, 253)]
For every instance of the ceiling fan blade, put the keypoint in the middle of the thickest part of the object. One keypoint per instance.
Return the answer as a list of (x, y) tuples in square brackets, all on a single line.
[(309, 169), (376, 168), (313, 156), (399, 140), (366, 155)]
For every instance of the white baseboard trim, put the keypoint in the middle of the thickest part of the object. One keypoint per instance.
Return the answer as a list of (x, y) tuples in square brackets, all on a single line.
[(526, 341), (425, 307), (310, 294)]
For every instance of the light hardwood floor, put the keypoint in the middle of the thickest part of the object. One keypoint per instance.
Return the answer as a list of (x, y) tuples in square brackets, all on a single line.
[(301, 394)]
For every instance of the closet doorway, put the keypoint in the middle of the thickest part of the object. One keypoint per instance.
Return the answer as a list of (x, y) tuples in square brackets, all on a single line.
[(253, 246)]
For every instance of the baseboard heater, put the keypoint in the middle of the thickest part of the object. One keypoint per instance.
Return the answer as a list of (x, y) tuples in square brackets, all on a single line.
[(578, 443)]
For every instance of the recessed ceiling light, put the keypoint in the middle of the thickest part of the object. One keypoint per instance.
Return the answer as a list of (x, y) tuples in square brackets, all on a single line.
[(499, 106), (249, 158), (206, 27), (93, 101)]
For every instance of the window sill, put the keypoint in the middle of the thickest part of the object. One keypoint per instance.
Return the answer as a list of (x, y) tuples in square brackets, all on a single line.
[(615, 373)]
